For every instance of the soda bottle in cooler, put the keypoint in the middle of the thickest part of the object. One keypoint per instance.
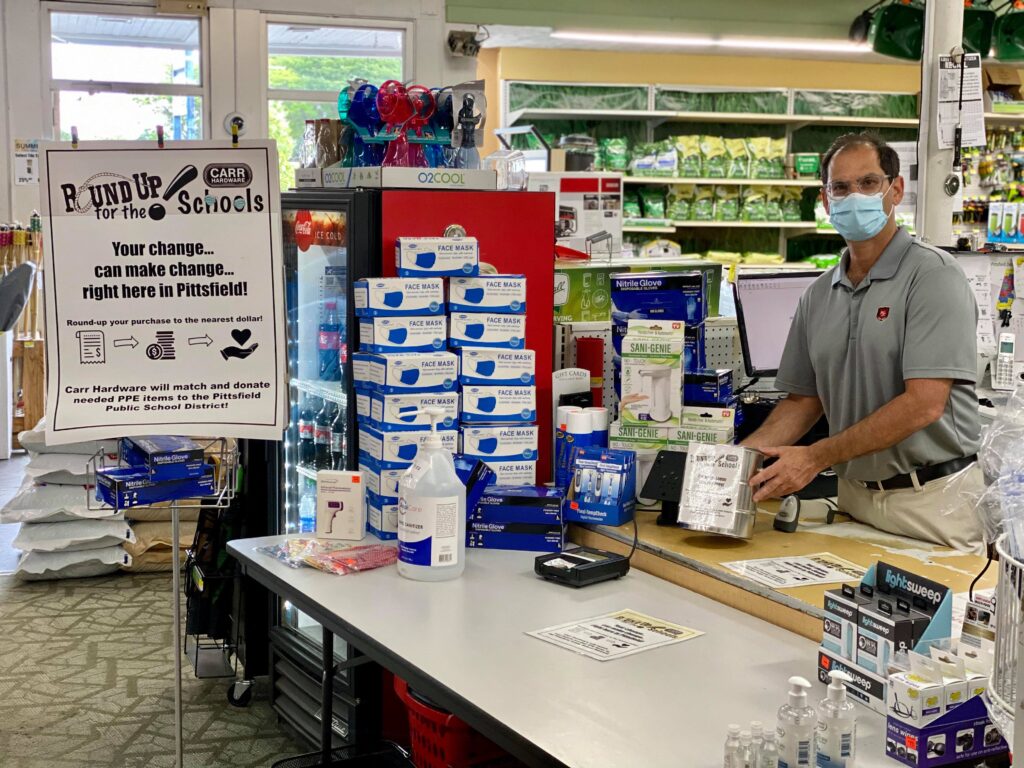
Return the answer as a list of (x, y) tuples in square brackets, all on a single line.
[(328, 341), (307, 417), (322, 436), (339, 444)]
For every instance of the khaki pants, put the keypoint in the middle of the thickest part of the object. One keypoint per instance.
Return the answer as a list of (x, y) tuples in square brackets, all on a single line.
[(935, 512)]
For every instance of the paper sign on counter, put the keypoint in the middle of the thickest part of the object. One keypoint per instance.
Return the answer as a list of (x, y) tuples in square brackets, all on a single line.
[(616, 634), (801, 571)]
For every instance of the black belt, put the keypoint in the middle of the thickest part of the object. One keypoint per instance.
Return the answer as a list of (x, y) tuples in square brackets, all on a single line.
[(924, 475)]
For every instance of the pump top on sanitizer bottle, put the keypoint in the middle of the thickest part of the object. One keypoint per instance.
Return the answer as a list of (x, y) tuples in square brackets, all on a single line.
[(431, 512), (796, 727), (835, 740)]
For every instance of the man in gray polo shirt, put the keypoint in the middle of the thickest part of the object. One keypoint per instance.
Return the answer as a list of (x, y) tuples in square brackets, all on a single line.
[(884, 344)]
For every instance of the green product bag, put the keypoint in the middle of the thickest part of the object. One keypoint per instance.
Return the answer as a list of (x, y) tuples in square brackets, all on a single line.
[(680, 198), (703, 206), (715, 158), (759, 148), (773, 204), (727, 203), (777, 158), (614, 154), (644, 159), (739, 159), (792, 197), (689, 153), (631, 207), (653, 201), (755, 204)]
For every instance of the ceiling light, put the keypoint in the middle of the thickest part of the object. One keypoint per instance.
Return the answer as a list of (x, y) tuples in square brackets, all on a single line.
[(738, 43)]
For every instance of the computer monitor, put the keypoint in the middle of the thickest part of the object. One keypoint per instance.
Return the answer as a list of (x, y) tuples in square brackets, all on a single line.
[(765, 305)]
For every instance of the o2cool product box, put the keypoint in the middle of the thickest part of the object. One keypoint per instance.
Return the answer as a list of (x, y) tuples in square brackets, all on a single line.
[(499, 405), (126, 487), (470, 329), (389, 413), (402, 334), (497, 367), (164, 457), (392, 296), (654, 295), (488, 293), (340, 512), (380, 481), (437, 256), (381, 516), (501, 443), (397, 450), (406, 372)]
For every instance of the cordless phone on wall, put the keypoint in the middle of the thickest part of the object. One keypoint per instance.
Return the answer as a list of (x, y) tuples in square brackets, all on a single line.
[(1002, 366)]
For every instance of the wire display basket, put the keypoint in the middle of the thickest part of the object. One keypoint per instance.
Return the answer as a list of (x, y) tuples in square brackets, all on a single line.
[(1001, 696)]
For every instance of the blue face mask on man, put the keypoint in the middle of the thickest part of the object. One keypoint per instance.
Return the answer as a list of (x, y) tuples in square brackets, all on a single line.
[(858, 216)]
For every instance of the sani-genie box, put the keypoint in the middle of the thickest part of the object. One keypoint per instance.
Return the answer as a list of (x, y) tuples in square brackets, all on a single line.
[(505, 294), (409, 333), (437, 256), (393, 296)]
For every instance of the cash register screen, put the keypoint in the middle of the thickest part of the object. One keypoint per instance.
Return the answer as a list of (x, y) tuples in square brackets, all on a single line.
[(765, 305)]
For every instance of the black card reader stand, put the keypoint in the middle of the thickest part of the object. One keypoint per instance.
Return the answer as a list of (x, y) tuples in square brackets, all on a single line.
[(665, 484)]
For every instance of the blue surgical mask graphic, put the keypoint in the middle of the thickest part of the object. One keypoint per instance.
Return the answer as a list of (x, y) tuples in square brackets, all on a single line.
[(486, 445), (398, 335), (472, 330), (393, 298), (408, 451), (404, 413), (858, 216), (486, 404), (426, 260), (486, 367), (409, 376), (472, 295)]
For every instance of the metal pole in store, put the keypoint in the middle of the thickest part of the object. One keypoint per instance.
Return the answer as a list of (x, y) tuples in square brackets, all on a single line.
[(176, 634), (943, 33)]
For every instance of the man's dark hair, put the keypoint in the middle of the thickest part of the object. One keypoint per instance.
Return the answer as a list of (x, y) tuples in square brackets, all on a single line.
[(887, 157)]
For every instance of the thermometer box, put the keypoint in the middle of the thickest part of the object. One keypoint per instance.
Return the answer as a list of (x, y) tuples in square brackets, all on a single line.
[(707, 387), (509, 443), (469, 329), (501, 367), (839, 625), (603, 488), (652, 378), (654, 295), (402, 334), (378, 480), (437, 256), (127, 487), (340, 511), (164, 457), (391, 296), (499, 405), (488, 293), (536, 505), (381, 516), (390, 413), (513, 472), (397, 450), (406, 372), (552, 540)]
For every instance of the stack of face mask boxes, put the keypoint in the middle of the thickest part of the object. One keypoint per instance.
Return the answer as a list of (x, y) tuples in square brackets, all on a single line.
[(403, 366), (487, 327)]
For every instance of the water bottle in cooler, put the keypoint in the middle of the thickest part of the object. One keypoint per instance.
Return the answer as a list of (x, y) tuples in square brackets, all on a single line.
[(307, 506), (329, 342)]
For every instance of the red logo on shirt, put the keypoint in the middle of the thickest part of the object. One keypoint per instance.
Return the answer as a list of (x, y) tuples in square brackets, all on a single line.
[(883, 312)]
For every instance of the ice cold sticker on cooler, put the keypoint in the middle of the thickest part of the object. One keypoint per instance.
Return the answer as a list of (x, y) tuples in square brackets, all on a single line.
[(402, 334), (394, 296), (437, 256), (497, 367), (406, 372), (469, 329), (483, 405), (488, 293)]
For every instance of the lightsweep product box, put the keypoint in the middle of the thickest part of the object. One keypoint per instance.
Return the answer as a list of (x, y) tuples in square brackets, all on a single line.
[(886, 626), (469, 329), (164, 457), (488, 293), (403, 334), (501, 443), (654, 295), (380, 480), (406, 371), (392, 296), (340, 508), (437, 256), (839, 625), (865, 687), (381, 516), (519, 504), (126, 487), (497, 367), (397, 450), (495, 405), (390, 413), (652, 378)]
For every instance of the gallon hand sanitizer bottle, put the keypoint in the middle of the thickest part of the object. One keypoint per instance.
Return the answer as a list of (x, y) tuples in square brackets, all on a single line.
[(835, 741), (796, 727), (431, 513)]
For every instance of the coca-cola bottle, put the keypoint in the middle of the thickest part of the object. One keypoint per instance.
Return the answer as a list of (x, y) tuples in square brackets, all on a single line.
[(322, 436), (307, 417), (339, 445)]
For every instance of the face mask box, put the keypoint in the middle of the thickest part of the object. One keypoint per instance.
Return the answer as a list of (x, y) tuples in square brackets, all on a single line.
[(406, 372), (402, 334), (467, 329), (397, 450), (381, 517), (603, 487), (839, 625), (126, 487), (552, 540), (499, 405), (340, 511), (497, 367), (501, 443), (397, 296), (380, 481), (707, 387), (437, 256), (164, 457), (390, 413), (656, 295), (513, 472), (535, 505), (652, 378), (504, 294)]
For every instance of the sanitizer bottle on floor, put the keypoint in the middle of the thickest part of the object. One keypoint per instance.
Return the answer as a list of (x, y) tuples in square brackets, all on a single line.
[(431, 513), (835, 741), (796, 727)]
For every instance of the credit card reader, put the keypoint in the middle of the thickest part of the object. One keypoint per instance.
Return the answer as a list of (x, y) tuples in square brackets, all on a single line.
[(581, 566)]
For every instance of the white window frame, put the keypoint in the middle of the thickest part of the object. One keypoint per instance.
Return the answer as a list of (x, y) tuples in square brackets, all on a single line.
[(51, 88)]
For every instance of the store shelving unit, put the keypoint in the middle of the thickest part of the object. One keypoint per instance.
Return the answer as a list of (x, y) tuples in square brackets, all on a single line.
[(789, 225), (660, 117), (324, 390), (721, 182)]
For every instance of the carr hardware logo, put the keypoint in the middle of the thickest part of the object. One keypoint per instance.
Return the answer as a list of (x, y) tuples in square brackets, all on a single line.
[(227, 175)]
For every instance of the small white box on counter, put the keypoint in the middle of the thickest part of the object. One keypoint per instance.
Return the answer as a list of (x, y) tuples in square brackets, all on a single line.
[(340, 508)]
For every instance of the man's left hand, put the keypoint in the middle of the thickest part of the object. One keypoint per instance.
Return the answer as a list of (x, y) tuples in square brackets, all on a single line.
[(794, 468)]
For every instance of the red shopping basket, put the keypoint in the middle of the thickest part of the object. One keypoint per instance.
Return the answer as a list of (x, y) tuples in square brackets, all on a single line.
[(441, 740)]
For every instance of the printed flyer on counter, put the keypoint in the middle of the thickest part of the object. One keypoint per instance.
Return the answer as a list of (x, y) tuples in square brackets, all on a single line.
[(616, 634), (164, 295), (802, 571)]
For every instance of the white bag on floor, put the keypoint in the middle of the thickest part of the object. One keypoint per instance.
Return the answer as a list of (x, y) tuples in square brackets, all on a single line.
[(72, 535), (53, 504), (40, 566), (34, 441), (60, 468)]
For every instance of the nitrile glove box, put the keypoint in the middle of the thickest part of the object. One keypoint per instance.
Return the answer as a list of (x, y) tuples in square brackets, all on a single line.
[(475, 475), (501, 443), (488, 293), (380, 481), (707, 386), (519, 504), (164, 457), (497, 367), (513, 472), (551, 540), (694, 350), (397, 450), (499, 405), (468, 329), (409, 333), (406, 372), (655, 295), (391, 296), (437, 256), (381, 516), (126, 487), (390, 413), (962, 736)]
